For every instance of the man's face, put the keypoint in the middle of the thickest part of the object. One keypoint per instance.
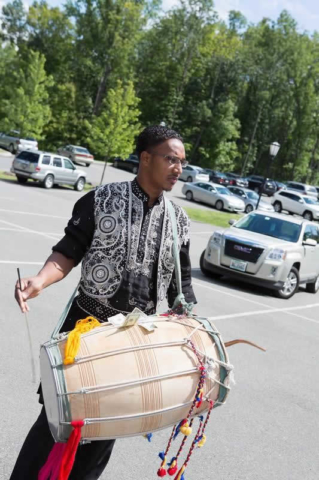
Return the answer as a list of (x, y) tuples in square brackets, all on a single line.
[(161, 173)]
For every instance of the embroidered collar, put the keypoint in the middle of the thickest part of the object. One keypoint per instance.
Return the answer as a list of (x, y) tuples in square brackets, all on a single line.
[(142, 195)]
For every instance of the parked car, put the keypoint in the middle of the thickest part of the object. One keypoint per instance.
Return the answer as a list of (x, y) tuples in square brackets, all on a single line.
[(214, 195), (13, 142), (294, 202), (217, 177), (237, 180), (255, 182), (192, 173), (251, 199), (266, 249), (77, 154), (47, 168), (303, 188), (131, 163)]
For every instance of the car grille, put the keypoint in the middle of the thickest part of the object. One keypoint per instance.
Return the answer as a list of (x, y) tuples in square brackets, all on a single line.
[(242, 251)]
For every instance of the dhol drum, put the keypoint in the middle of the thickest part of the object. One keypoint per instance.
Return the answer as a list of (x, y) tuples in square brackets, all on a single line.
[(130, 381)]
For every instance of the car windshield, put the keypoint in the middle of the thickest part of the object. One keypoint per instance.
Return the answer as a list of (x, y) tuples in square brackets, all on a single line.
[(312, 201), (223, 191), (270, 226), (311, 189), (81, 150), (29, 156), (30, 139), (252, 195)]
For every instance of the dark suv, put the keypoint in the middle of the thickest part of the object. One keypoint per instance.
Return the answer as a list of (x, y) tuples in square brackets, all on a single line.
[(256, 182)]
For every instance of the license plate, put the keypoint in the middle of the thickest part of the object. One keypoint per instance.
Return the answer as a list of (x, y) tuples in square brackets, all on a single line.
[(238, 265)]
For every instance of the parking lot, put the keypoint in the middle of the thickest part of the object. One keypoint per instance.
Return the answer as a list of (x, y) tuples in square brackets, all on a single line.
[(269, 427)]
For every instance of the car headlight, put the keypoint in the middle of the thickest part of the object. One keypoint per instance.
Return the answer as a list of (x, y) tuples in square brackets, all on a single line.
[(276, 254), (216, 238)]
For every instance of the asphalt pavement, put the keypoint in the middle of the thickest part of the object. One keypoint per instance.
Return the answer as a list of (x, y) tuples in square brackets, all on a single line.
[(268, 429)]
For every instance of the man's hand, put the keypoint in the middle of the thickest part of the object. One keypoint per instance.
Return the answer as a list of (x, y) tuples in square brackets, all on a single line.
[(31, 287)]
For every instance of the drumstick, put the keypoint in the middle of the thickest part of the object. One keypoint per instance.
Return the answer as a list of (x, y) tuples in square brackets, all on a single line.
[(29, 335)]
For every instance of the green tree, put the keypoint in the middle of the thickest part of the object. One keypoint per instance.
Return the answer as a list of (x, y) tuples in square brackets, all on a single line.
[(25, 106), (112, 133)]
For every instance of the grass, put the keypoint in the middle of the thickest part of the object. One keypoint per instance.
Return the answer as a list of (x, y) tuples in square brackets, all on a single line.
[(219, 219), (8, 176)]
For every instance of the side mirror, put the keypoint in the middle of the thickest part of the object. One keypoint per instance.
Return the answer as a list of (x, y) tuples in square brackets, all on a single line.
[(301, 200), (231, 221), (310, 242)]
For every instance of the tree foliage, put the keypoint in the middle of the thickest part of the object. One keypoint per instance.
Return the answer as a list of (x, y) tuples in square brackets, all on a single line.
[(76, 74)]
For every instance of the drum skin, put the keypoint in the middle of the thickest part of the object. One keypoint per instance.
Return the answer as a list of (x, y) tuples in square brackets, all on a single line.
[(133, 401)]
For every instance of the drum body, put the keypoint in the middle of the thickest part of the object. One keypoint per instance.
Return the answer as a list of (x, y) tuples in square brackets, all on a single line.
[(128, 381)]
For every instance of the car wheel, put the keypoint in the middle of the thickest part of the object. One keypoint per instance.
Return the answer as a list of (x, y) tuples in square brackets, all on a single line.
[(290, 286), (308, 215), (22, 179), (48, 182), (249, 208), (11, 148), (135, 170), (189, 195), (313, 287), (219, 205), (204, 270), (79, 184), (87, 164), (189, 179), (277, 207)]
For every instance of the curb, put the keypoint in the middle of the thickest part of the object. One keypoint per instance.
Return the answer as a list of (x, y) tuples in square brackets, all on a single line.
[(5, 153)]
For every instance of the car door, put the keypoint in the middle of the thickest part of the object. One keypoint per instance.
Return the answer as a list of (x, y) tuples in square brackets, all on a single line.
[(198, 192), (68, 173), (309, 265), (57, 169)]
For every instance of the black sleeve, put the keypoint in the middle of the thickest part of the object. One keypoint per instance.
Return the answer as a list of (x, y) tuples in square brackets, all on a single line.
[(186, 274), (79, 231)]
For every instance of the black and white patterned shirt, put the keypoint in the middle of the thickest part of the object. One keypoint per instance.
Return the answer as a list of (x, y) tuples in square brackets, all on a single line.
[(138, 287)]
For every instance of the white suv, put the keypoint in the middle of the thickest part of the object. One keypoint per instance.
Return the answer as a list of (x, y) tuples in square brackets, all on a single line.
[(266, 249), (293, 202)]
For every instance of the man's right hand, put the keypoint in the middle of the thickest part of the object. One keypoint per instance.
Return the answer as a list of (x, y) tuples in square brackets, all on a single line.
[(30, 288)]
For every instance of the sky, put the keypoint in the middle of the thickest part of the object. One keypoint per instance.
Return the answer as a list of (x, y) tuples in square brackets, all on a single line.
[(305, 12)]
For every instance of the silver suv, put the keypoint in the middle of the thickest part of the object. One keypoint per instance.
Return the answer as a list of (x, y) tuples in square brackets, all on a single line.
[(303, 188), (293, 202), (267, 250), (47, 168)]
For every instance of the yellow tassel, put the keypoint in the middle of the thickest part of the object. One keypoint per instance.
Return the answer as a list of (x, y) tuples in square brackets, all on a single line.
[(186, 429), (180, 473), (202, 442), (73, 341)]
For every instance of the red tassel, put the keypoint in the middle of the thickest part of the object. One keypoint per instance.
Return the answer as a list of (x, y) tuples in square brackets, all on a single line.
[(172, 470), (70, 450), (50, 469), (161, 472)]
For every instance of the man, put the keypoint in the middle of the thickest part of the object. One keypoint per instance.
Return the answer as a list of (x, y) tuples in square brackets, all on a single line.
[(122, 233)]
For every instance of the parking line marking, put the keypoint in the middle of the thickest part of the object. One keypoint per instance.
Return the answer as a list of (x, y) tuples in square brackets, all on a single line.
[(35, 214), (18, 262), (263, 312), (4, 229), (230, 294), (269, 309), (29, 230)]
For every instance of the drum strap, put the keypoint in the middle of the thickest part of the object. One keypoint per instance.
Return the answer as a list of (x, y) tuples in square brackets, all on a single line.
[(180, 299), (56, 331)]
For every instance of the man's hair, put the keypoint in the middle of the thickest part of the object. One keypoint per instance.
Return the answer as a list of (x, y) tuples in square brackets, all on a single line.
[(153, 136)]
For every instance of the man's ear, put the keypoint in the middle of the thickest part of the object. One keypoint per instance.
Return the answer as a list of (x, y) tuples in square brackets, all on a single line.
[(145, 158)]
